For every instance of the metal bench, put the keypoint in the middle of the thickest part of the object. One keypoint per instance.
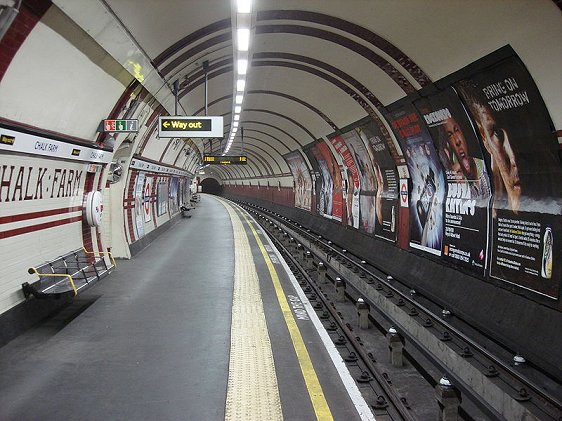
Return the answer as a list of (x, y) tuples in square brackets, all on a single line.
[(68, 274)]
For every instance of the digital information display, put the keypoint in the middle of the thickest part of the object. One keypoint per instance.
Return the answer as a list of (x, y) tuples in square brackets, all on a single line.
[(178, 126), (225, 159)]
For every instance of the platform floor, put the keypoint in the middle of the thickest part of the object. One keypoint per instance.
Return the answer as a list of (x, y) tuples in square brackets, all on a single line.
[(201, 325)]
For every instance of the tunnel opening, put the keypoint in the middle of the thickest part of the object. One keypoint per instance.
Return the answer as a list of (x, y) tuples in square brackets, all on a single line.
[(211, 186)]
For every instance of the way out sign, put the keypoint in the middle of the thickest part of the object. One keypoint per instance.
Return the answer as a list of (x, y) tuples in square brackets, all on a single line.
[(178, 126)]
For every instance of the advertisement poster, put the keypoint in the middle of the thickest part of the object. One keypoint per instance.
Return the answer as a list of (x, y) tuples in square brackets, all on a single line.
[(317, 180), (330, 197), (162, 205), (353, 187), (367, 212), (146, 199), (139, 205), (174, 195), (523, 152), (392, 146), (468, 183), (303, 180), (427, 196), (183, 190), (386, 175)]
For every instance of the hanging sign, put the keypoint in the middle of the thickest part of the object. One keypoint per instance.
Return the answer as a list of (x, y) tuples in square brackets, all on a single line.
[(178, 126), (225, 159)]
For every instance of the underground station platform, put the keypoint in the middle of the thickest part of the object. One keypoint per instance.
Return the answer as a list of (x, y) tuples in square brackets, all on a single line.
[(206, 323)]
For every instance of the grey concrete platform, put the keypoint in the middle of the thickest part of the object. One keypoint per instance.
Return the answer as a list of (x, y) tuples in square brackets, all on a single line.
[(151, 341)]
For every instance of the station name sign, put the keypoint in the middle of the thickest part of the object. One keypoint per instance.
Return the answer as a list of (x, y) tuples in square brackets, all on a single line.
[(121, 126), (225, 159), (179, 126)]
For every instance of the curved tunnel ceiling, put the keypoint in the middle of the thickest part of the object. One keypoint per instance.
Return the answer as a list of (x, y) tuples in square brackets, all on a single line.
[(295, 91), (315, 67)]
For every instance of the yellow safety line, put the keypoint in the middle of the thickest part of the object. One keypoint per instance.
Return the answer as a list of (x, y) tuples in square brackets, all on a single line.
[(313, 386), (252, 391)]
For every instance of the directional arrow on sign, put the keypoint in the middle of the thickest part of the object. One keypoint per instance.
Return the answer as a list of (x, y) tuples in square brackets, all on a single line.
[(190, 126)]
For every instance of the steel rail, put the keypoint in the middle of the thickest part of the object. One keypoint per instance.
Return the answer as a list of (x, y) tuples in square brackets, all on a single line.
[(390, 393), (318, 241)]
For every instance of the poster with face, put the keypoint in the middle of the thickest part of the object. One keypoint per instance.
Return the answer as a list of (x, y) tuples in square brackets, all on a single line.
[(330, 197), (427, 195), (515, 129), (386, 175), (358, 151), (303, 180), (465, 241), (353, 185)]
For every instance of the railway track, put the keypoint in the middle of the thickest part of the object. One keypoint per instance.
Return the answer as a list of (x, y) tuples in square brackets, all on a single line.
[(491, 384)]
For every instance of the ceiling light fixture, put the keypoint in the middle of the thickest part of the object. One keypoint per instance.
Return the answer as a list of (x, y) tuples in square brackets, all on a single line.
[(244, 6), (243, 39), (243, 21), (242, 66)]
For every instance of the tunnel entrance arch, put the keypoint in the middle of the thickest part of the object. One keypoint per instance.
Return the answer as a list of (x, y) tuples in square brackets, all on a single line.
[(211, 186)]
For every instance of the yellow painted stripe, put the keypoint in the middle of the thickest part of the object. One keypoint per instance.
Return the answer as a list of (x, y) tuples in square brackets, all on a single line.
[(313, 386)]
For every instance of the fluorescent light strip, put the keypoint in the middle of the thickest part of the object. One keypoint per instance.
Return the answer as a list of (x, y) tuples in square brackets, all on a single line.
[(244, 6), (242, 66), (243, 39)]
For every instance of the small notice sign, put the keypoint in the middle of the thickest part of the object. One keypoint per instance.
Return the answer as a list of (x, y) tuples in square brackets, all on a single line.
[(121, 126)]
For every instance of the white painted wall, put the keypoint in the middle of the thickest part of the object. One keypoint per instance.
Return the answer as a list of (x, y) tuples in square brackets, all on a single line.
[(41, 184), (53, 85)]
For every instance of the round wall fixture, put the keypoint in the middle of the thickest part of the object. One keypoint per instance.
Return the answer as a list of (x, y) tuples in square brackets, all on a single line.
[(94, 208)]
